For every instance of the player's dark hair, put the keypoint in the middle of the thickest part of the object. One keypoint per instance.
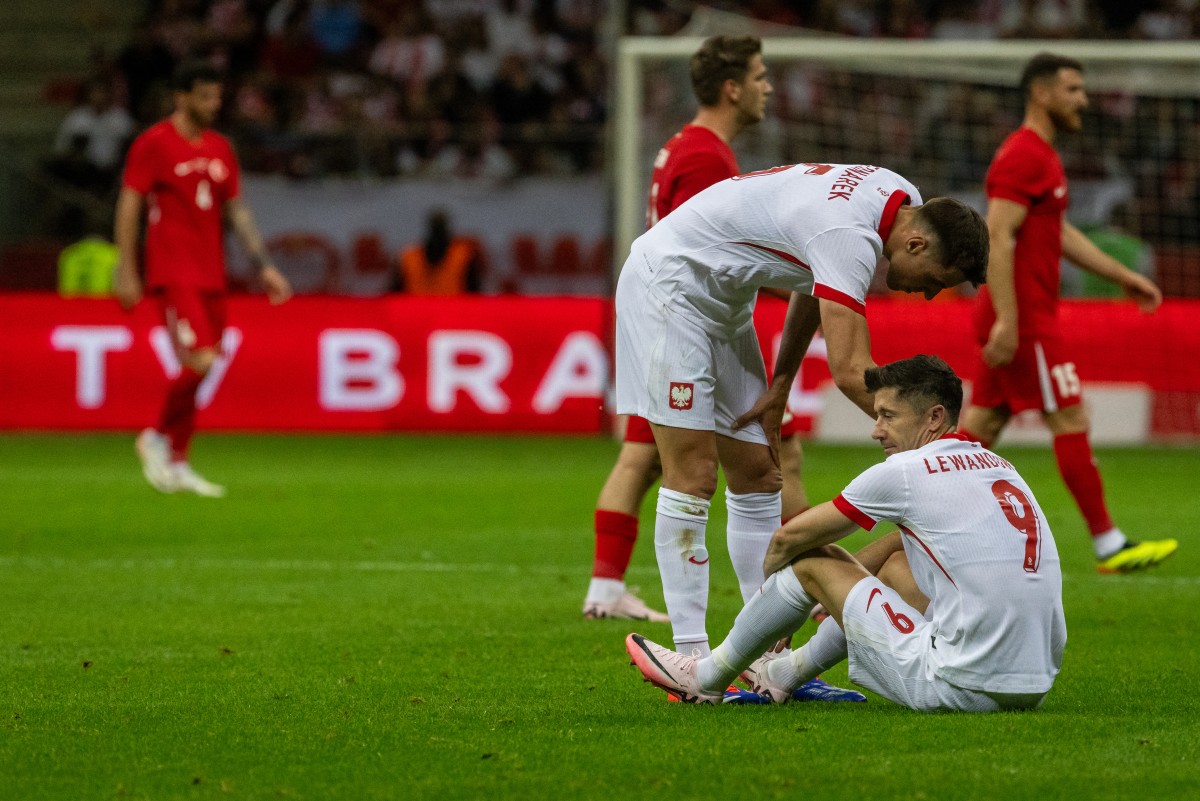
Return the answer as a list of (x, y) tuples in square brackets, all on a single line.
[(922, 381), (718, 60), (190, 73), (961, 233), (1043, 66)]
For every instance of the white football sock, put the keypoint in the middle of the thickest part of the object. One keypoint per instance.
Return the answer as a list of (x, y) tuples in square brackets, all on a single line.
[(779, 608), (683, 565), (753, 519), (604, 591), (824, 649), (1109, 542)]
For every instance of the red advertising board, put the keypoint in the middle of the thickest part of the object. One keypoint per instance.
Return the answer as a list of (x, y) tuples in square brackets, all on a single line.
[(470, 364), (480, 363)]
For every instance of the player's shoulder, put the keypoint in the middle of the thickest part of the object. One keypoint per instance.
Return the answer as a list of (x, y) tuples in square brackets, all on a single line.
[(217, 140), (1023, 146), (157, 132), (698, 141)]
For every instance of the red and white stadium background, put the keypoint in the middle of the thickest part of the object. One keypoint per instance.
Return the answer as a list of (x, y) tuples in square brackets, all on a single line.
[(513, 364)]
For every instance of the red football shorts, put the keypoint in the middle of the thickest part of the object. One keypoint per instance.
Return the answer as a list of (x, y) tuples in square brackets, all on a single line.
[(638, 429), (195, 318), (1041, 376)]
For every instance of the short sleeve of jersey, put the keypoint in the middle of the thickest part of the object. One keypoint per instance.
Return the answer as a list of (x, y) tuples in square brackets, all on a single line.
[(880, 493), (843, 264), (703, 170), (139, 166), (1016, 174)]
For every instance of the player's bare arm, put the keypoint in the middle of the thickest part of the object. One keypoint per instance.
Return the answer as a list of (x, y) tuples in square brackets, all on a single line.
[(238, 215), (849, 345), (1084, 253), (127, 286), (802, 321), (820, 525), (1004, 219)]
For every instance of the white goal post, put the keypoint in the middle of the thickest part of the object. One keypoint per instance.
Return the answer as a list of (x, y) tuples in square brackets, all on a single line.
[(927, 75)]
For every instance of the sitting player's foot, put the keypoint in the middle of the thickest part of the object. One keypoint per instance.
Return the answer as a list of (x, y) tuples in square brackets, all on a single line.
[(1138, 556), (628, 606), (669, 671), (817, 614), (817, 690), (736, 696), (758, 679), (188, 480), (155, 453)]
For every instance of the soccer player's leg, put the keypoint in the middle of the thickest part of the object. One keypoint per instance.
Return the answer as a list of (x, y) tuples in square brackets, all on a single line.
[(1064, 414), (179, 307), (791, 467), (888, 644), (195, 322), (616, 528), (664, 374), (780, 607), (883, 558), (689, 461), (752, 496)]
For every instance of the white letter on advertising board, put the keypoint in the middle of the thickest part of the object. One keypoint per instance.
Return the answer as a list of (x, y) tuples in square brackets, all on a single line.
[(91, 344), (358, 370), (579, 370), (488, 361)]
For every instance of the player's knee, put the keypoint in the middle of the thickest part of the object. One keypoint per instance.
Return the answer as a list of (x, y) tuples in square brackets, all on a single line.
[(695, 477), (200, 361), (813, 564), (1071, 420), (894, 569), (639, 464)]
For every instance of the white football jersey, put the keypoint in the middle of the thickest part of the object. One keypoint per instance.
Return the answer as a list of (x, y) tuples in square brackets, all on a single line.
[(982, 552), (817, 229)]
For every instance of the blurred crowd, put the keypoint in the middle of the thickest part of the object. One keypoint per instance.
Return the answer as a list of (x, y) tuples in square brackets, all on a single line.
[(946, 19), (471, 88)]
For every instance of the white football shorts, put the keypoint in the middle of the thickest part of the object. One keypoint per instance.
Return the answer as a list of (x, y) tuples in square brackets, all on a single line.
[(890, 646), (674, 373)]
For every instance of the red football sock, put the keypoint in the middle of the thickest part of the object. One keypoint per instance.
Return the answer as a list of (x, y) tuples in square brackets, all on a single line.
[(179, 412), (1082, 477), (616, 533)]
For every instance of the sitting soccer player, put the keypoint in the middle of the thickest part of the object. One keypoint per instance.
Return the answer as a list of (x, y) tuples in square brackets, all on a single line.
[(973, 621)]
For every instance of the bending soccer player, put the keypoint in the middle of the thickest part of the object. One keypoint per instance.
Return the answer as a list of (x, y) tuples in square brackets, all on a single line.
[(731, 87), (961, 609), (688, 358), (188, 176), (1023, 363)]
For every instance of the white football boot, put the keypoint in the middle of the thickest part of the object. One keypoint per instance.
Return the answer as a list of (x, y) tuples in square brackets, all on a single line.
[(757, 678), (188, 480), (669, 671), (155, 453), (627, 606)]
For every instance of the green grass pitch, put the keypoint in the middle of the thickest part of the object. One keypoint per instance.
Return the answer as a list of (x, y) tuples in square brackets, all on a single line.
[(398, 617)]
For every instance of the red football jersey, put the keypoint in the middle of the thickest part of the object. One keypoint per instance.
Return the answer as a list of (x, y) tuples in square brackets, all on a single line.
[(1027, 170), (690, 162), (186, 184)]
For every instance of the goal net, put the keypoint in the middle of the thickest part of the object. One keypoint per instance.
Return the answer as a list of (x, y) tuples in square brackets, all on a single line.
[(935, 111)]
